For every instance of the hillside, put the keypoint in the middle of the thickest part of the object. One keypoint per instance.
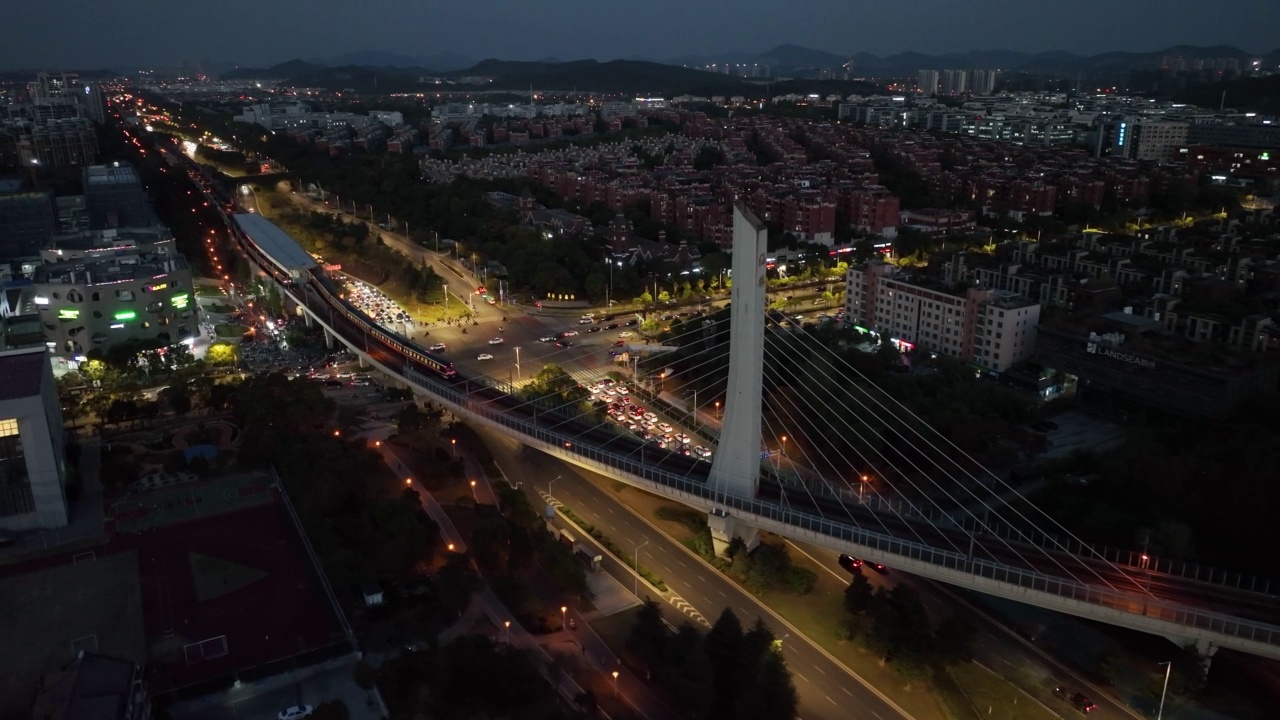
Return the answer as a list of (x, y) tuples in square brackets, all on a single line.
[(619, 76), (284, 70)]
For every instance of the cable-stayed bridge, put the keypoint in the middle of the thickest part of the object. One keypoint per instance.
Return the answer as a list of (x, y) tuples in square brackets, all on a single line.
[(941, 524)]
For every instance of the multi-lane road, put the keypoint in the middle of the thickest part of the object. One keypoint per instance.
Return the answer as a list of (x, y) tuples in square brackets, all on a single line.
[(826, 688)]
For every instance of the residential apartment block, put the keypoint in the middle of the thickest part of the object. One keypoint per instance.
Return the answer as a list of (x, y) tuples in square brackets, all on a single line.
[(994, 329)]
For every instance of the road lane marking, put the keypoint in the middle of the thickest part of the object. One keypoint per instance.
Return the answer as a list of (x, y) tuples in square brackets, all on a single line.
[(824, 672), (802, 677), (722, 594), (828, 697), (846, 691), (681, 563)]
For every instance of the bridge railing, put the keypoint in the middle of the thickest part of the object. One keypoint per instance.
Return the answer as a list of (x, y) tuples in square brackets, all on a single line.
[(800, 524)]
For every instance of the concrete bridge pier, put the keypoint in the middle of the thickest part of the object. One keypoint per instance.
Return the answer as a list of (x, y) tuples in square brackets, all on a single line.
[(307, 319), (328, 339), (725, 528)]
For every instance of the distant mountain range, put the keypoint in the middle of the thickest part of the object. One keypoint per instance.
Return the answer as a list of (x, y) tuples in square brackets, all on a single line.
[(389, 72), (622, 76), (794, 59)]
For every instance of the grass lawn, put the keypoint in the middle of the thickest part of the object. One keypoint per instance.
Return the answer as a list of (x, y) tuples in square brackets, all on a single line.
[(817, 616), (222, 309), (210, 291), (225, 330), (990, 696)]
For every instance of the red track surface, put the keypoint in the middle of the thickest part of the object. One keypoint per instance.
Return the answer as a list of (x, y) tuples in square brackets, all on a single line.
[(277, 616)]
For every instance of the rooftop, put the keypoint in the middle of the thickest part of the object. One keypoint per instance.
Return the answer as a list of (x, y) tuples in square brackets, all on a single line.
[(22, 370), (114, 174), (283, 250)]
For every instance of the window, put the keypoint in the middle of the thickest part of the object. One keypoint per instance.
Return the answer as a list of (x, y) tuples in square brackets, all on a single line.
[(97, 297), (126, 295), (15, 485)]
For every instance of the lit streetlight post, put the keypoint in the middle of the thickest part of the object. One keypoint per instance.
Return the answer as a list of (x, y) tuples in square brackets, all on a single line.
[(506, 630), (453, 444), (563, 623), (615, 683), (862, 487), (637, 589), (553, 482)]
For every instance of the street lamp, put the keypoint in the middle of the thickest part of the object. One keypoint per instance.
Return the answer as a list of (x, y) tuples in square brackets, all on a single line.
[(862, 486), (506, 629), (553, 482), (453, 443), (1168, 668), (637, 591), (615, 683), (717, 409), (563, 610), (784, 445)]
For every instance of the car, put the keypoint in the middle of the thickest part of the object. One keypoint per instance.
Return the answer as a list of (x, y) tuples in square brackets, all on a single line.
[(593, 328), (568, 333), (484, 356), (626, 334), (481, 291), (585, 321), (850, 563), (618, 343), (665, 427), (295, 712), (438, 347), (632, 323), (564, 344), (547, 339), (684, 439), (622, 390), (612, 326), (496, 341), (650, 417), (1077, 700), (607, 318)]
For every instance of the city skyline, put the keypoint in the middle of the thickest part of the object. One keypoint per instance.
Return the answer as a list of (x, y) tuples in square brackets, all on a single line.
[(129, 34)]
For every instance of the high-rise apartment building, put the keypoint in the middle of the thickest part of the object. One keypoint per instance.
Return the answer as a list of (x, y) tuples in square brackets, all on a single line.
[(984, 82), (953, 82), (927, 82), (991, 328)]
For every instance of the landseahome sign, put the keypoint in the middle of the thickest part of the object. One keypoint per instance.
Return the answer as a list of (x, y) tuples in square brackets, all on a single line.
[(1096, 348)]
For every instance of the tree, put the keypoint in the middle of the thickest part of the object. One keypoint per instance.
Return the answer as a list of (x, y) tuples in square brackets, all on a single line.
[(859, 596), (724, 645), (648, 636), (409, 418), (222, 354), (331, 710)]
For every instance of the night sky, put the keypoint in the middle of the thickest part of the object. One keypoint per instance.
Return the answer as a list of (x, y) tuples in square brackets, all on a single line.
[(125, 34)]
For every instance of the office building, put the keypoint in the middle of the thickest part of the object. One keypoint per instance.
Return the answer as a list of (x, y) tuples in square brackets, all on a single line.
[(26, 223), (32, 455), (106, 296), (994, 329), (57, 144), (1148, 140), (94, 687), (927, 82), (114, 197)]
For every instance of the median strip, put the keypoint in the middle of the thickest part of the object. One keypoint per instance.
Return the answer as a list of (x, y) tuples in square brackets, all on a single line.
[(650, 577)]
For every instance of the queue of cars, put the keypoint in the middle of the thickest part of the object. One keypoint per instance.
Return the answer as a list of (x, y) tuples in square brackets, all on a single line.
[(623, 410)]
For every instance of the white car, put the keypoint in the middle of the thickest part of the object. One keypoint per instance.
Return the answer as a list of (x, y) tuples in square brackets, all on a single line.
[(484, 356), (295, 712), (626, 334), (586, 321), (650, 417), (622, 390), (496, 341), (438, 347), (547, 339), (684, 439), (664, 427)]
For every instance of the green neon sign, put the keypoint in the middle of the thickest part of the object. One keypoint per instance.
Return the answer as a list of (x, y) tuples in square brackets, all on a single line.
[(180, 301), (126, 315), (68, 313)]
